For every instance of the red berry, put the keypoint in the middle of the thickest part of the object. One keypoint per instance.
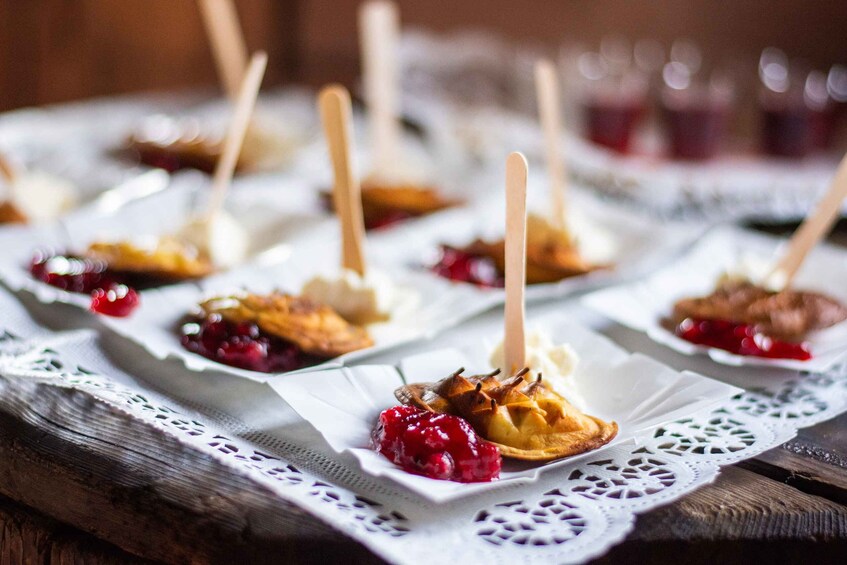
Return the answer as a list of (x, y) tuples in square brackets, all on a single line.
[(118, 300)]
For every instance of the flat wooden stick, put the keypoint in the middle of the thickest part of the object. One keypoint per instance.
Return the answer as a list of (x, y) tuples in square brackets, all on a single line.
[(813, 229), (379, 23), (514, 339), (228, 46), (244, 105), (547, 91), (336, 115)]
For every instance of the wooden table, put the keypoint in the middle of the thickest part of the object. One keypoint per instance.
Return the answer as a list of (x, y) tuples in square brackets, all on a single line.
[(63, 500)]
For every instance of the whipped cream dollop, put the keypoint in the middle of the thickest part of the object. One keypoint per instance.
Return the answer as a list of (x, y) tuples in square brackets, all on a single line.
[(40, 196), (755, 270), (360, 299), (556, 363), (221, 238)]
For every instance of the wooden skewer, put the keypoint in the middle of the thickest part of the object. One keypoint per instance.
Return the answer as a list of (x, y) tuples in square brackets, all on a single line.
[(814, 228), (245, 103), (547, 91), (378, 28), (228, 46), (336, 115), (514, 338)]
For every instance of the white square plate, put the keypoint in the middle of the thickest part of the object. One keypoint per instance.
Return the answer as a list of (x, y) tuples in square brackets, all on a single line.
[(642, 305), (635, 391)]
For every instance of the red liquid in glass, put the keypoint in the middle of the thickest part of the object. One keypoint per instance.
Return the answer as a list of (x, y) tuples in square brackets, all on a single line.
[(787, 130), (741, 339), (242, 345), (458, 265), (438, 446), (696, 132), (611, 123)]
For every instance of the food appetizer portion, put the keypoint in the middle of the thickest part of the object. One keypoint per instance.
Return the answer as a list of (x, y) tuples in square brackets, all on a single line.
[(385, 204), (270, 333), (522, 417), (762, 315), (551, 255), (393, 190), (459, 428), (748, 319), (175, 144), (111, 269)]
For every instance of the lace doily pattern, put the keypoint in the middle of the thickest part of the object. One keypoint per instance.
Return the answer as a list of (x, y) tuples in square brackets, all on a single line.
[(568, 516)]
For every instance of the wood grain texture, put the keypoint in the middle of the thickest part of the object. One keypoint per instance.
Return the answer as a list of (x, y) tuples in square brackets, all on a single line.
[(68, 49), (149, 506), (28, 537)]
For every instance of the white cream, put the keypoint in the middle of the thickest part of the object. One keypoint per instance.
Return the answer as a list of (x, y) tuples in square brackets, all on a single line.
[(556, 363), (360, 300), (222, 239), (41, 196), (753, 269), (596, 244)]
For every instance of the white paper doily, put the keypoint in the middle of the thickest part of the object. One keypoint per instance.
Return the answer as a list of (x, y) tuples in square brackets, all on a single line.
[(568, 516)]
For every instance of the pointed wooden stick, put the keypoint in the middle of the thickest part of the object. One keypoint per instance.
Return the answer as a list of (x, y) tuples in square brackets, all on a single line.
[(336, 115), (514, 339), (379, 30), (227, 39), (814, 228), (225, 167), (549, 110)]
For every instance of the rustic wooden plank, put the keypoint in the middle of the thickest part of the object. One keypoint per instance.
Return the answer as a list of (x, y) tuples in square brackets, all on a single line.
[(815, 461), (150, 509), (28, 537), (742, 517)]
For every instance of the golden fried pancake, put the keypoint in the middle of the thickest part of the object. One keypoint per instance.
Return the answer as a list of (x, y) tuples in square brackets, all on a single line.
[(315, 328), (169, 259), (525, 419)]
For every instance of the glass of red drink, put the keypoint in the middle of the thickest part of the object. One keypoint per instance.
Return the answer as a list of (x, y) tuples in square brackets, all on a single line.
[(695, 112), (613, 102)]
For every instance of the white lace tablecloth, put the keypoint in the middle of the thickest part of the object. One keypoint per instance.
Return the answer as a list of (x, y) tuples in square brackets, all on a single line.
[(570, 515), (48, 364)]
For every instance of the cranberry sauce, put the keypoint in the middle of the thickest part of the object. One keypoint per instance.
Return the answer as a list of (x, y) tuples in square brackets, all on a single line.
[(438, 446), (242, 345), (110, 292), (741, 339), (459, 265)]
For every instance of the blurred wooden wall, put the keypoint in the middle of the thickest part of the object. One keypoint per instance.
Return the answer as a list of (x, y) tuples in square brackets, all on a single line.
[(58, 50), (55, 50)]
